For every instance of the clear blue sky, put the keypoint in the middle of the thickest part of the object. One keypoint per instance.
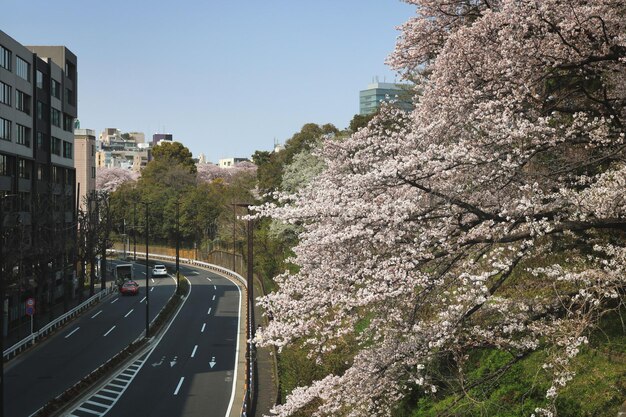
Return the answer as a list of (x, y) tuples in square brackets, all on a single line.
[(226, 77)]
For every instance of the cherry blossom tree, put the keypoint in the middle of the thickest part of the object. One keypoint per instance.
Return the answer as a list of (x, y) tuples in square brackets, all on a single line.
[(493, 215), (109, 179), (210, 172)]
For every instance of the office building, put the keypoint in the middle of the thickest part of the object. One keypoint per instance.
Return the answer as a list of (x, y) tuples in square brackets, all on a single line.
[(370, 98)]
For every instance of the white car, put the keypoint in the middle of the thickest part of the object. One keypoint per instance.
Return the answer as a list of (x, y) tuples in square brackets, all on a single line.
[(159, 271)]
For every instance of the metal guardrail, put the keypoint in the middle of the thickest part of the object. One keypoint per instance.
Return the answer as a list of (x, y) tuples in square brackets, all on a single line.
[(44, 331)]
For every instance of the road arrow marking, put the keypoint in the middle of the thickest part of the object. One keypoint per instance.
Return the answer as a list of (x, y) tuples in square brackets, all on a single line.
[(159, 363), (173, 362), (212, 363)]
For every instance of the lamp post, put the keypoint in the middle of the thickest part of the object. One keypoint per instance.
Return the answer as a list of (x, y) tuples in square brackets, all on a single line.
[(177, 243), (147, 204), (134, 231)]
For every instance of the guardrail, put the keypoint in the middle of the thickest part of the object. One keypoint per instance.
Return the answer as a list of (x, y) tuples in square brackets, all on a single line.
[(44, 331)]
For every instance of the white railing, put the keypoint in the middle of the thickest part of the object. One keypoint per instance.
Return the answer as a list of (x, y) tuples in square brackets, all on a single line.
[(33, 337)]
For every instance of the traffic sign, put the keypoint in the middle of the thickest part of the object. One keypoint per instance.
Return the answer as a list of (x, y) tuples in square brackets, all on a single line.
[(30, 306)]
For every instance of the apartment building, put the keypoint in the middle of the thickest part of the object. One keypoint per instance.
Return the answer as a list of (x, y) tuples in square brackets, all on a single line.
[(38, 107), (85, 163)]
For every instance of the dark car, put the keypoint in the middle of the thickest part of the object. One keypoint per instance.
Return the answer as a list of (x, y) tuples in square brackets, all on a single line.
[(129, 288)]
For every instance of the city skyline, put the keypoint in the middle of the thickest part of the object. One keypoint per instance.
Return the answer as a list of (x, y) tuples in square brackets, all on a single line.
[(224, 79)]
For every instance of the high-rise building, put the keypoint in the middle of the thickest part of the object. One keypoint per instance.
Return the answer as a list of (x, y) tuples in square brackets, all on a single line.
[(370, 98), (38, 106)]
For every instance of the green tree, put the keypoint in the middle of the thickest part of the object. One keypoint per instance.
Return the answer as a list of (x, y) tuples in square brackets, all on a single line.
[(174, 153)]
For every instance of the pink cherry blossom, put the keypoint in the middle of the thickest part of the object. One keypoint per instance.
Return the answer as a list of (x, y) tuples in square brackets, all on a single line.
[(493, 215)]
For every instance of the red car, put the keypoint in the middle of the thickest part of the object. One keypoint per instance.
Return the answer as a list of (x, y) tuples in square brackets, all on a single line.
[(129, 288)]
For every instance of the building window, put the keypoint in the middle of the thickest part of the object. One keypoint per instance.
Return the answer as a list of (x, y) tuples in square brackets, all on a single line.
[(93, 150), (56, 146), (5, 93), (22, 101), (70, 70), (56, 176), (70, 96), (67, 150), (39, 79), (40, 172), (5, 58), (23, 169), (41, 110), (68, 123), (55, 89), (93, 172), (5, 129), (41, 140), (23, 135), (5, 168), (55, 117), (22, 68)]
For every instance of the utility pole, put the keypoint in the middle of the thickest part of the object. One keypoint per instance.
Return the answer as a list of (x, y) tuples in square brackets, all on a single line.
[(134, 231), (177, 243), (147, 274)]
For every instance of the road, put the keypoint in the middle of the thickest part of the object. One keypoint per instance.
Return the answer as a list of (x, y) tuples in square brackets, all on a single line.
[(191, 372), (56, 364)]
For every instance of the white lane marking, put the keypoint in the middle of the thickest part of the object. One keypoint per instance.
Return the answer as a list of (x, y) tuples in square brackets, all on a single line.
[(142, 300), (209, 312), (152, 280), (214, 287), (151, 289), (128, 314), (213, 297), (194, 351), (72, 332), (115, 300), (208, 278), (233, 392), (143, 272), (95, 315), (203, 326), (107, 333), (180, 383)]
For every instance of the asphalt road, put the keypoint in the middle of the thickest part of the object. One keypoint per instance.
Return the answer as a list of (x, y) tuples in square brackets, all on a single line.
[(56, 364), (191, 371)]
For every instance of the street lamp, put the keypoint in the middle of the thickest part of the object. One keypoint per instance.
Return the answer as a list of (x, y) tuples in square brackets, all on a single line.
[(134, 231), (147, 204), (177, 242)]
